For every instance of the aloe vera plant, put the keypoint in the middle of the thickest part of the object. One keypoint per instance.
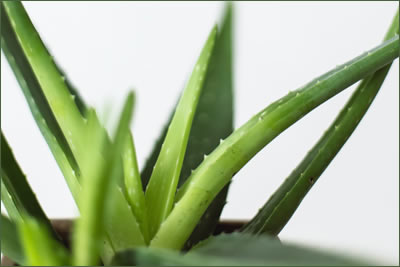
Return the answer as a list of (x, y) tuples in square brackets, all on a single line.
[(166, 214)]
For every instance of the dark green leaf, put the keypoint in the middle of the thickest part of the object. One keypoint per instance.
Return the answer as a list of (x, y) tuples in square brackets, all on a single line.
[(161, 189), (283, 203), (17, 186), (213, 121), (263, 250), (151, 160), (235, 250), (10, 243), (230, 156)]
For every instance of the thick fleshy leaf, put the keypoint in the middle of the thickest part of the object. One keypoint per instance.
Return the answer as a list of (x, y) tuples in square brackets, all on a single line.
[(213, 121), (133, 186), (283, 203), (43, 80), (100, 174), (231, 155), (10, 243), (268, 251), (36, 99), (39, 246), (145, 174), (18, 188), (236, 250), (9, 204), (161, 189), (80, 103), (55, 111)]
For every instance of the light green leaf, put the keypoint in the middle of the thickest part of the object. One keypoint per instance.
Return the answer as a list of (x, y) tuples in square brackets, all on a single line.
[(39, 246), (49, 97), (101, 172), (133, 186), (9, 204), (160, 192), (35, 97), (283, 203), (231, 155), (32, 57), (213, 121), (80, 103)]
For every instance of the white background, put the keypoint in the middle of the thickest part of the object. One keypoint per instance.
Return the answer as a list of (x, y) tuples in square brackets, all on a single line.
[(108, 48)]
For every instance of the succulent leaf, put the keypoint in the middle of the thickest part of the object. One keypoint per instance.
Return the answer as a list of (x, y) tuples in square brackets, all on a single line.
[(100, 174), (277, 211), (133, 186), (9, 204), (235, 250), (10, 241), (49, 97), (18, 189), (230, 156), (37, 102), (40, 248), (213, 121), (160, 191), (42, 76)]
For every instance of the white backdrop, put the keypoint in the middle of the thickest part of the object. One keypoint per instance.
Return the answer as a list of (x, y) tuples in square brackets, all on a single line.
[(107, 48)]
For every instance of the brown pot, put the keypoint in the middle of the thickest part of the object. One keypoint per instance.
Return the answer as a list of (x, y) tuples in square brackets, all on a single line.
[(63, 227)]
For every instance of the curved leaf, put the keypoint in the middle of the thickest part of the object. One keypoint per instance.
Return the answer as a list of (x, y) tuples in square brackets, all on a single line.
[(274, 215), (217, 169)]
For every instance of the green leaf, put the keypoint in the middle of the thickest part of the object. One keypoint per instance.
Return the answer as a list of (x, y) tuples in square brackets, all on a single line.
[(133, 186), (10, 243), (160, 192), (231, 155), (101, 172), (213, 121), (9, 204), (165, 257), (263, 250), (42, 78), (39, 246), (145, 174), (283, 203), (53, 108), (80, 103), (235, 250), (36, 100), (18, 188)]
